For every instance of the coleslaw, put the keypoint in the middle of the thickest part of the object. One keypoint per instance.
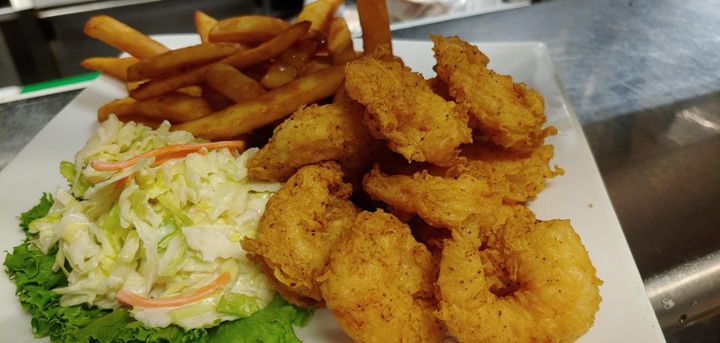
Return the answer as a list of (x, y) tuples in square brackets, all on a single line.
[(161, 238)]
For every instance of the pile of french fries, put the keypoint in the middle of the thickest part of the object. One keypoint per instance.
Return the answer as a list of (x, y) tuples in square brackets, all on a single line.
[(247, 71)]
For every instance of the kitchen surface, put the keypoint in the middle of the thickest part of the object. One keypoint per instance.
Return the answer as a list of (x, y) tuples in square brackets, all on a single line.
[(642, 76)]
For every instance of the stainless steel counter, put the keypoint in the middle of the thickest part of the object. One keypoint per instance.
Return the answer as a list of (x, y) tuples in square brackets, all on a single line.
[(643, 77), (614, 56)]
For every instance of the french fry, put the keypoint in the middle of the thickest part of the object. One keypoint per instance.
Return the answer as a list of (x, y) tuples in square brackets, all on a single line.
[(123, 37), (273, 105), (339, 42), (176, 108), (122, 107), (247, 29), (124, 110), (287, 66), (131, 86), (114, 66), (269, 49), (232, 83), (375, 24), (194, 91), (257, 71), (203, 24), (152, 123), (180, 59), (168, 84), (313, 66), (319, 14), (240, 60), (340, 45), (217, 100)]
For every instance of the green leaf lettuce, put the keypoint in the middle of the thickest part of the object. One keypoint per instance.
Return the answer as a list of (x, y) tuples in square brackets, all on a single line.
[(31, 271)]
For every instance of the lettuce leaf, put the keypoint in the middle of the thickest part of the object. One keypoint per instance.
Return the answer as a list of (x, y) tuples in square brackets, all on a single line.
[(119, 326), (273, 324), (38, 211), (31, 271)]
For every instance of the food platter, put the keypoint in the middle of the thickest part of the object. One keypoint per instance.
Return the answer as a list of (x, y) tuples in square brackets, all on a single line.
[(578, 195)]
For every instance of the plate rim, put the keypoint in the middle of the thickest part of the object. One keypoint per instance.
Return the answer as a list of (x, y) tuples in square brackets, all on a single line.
[(12, 168)]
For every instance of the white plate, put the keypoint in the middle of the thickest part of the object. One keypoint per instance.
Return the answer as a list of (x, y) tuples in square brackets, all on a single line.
[(625, 312)]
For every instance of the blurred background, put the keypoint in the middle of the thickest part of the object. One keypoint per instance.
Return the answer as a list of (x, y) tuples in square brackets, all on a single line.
[(43, 40)]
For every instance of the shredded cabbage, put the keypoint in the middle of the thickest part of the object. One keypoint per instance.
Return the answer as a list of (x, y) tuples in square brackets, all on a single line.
[(157, 231)]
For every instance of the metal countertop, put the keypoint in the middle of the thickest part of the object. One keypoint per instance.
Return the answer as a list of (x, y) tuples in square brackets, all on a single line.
[(643, 77), (613, 56)]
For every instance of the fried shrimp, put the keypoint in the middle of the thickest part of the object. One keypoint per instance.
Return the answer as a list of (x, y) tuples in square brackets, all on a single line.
[(298, 228), (519, 176), (379, 283), (528, 281), (314, 134), (452, 203), (511, 114), (402, 109)]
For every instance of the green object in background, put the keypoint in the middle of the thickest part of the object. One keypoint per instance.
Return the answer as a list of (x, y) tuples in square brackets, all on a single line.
[(58, 82)]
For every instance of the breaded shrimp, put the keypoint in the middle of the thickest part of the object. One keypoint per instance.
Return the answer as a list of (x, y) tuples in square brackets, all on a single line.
[(451, 203), (298, 228), (402, 109), (314, 134), (529, 281), (519, 176), (379, 283), (511, 114)]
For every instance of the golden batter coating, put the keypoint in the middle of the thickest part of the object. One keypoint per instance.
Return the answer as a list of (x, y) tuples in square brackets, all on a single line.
[(402, 109), (314, 134), (510, 114), (379, 283), (298, 228), (528, 281), (519, 176), (452, 203)]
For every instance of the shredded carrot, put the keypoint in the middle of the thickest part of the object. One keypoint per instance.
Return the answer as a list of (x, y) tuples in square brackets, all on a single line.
[(172, 150), (164, 158), (120, 184), (180, 300)]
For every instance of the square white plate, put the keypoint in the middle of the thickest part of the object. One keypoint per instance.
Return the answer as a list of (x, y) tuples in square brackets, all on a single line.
[(625, 312)]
